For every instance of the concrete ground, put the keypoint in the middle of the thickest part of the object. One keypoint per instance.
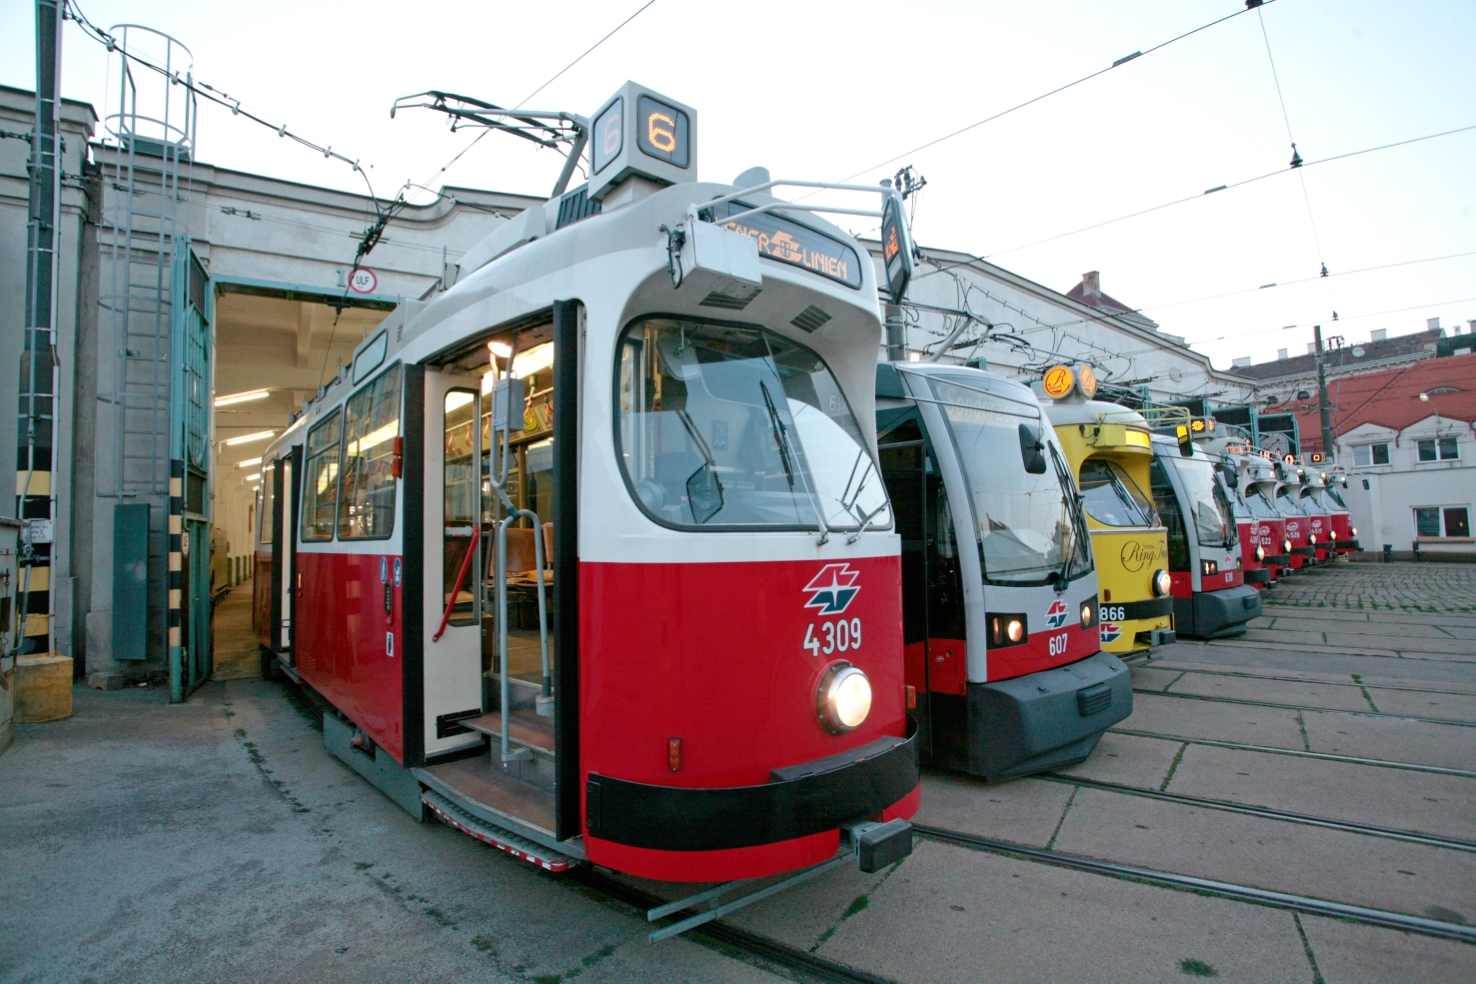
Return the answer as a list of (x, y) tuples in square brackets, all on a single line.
[(216, 840)]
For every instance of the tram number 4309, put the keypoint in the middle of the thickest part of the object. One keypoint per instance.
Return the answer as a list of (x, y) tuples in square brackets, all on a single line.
[(832, 637)]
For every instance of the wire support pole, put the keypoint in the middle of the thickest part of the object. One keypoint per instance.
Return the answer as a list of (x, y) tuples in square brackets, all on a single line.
[(39, 375)]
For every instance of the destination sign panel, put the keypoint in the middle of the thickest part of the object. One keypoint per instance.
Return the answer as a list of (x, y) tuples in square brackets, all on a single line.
[(789, 242), (662, 131), (609, 132)]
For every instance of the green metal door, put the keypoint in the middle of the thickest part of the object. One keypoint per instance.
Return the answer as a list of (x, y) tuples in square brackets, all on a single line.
[(190, 486)]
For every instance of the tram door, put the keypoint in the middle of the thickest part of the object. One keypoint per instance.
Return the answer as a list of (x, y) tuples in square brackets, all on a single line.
[(283, 501), (934, 636)]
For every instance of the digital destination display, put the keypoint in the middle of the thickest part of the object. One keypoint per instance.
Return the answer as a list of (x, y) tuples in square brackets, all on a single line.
[(789, 242), (608, 135), (662, 132), (896, 249)]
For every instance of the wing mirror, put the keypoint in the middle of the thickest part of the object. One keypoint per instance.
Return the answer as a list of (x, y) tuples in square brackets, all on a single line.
[(1186, 440), (1032, 451)]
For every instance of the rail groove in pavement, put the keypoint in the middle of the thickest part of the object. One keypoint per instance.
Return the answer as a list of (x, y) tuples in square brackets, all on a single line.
[(1298, 753), (1350, 826), (765, 947), (1305, 707), (1241, 893)]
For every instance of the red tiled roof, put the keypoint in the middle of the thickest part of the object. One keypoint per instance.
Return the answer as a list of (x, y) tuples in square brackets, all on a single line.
[(1389, 399)]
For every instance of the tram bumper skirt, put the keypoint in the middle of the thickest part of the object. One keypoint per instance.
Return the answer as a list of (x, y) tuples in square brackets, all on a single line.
[(1258, 576), (1032, 723), (1217, 614), (799, 800), (1307, 550)]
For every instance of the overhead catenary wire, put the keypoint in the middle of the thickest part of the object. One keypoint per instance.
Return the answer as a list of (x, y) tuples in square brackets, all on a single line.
[(1046, 95), (524, 101), (1230, 186)]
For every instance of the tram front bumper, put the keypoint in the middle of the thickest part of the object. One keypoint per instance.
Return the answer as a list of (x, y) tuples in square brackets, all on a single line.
[(1032, 723), (1217, 614)]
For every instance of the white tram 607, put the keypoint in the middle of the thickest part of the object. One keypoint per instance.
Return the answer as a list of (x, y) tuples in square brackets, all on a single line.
[(589, 552)]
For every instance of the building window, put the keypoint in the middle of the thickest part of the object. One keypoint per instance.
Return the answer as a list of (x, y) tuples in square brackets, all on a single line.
[(1457, 522), (1436, 522), (1443, 449), (1371, 454)]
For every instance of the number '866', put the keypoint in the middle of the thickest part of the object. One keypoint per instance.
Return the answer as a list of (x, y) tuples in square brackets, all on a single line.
[(832, 637)]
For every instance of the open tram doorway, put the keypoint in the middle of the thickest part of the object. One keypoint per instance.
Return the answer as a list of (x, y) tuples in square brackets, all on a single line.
[(275, 344), (501, 574)]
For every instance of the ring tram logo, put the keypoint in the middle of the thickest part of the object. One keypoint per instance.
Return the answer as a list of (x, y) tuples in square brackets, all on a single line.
[(833, 589), (1056, 615)]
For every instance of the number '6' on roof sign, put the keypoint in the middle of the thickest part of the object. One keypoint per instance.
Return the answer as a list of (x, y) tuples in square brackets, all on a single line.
[(363, 281)]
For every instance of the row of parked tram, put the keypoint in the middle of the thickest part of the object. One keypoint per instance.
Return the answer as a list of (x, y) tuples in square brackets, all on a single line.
[(623, 549)]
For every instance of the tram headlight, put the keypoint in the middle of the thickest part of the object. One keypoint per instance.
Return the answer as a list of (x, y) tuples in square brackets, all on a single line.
[(1162, 583), (1354, 531), (1260, 554), (844, 698), (1312, 539), (1089, 612), (1332, 534), (1286, 546)]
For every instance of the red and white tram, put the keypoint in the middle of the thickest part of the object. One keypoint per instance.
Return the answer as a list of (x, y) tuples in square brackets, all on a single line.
[(1264, 551), (589, 552), (1000, 599)]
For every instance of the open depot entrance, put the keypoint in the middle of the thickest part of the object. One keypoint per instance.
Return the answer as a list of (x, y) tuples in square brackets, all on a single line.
[(274, 346)]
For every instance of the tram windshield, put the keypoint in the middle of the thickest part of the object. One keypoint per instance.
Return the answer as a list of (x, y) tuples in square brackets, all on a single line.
[(1312, 504), (1030, 530), (1286, 502), (1332, 501), (1260, 506), (726, 425), (1207, 503), (1112, 498)]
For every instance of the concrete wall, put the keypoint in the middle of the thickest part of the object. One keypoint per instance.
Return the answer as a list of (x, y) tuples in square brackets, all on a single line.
[(17, 114)]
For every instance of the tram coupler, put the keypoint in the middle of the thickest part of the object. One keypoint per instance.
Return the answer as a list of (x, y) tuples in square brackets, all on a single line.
[(873, 845)]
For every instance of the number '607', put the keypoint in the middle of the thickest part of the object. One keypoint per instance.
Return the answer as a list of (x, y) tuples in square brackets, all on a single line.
[(832, 637)]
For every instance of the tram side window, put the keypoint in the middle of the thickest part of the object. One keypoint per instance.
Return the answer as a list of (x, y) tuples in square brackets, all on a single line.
[(267, 497), (320, 490), (1173, 518), (371, 422)]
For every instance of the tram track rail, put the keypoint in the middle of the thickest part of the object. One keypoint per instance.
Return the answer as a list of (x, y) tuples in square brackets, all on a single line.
[(1306, 707), (758, 945), (1181, 670), (1245, 809), (1206, 886), (1297, 753)]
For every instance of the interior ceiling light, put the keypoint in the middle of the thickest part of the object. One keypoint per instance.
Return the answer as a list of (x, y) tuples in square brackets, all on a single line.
[(248, 463), (225, 401), (248, 438)]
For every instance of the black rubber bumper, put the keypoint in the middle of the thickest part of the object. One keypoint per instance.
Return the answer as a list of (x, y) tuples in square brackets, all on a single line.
[(1216, 614), (1032, 723), (1307, 551), (1277, 560), (798, 801), (1258, 576)]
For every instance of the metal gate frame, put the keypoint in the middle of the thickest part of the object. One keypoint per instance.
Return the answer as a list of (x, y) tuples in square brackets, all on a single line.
[(191, 478)]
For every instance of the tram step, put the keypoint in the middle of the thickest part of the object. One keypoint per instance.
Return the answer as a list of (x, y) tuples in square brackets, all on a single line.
[(533, 734), (503, 840)]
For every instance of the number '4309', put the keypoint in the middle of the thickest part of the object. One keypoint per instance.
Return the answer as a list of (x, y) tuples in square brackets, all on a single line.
[(832, 637)]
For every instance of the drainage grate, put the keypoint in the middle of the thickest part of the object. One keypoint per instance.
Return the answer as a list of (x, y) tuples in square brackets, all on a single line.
[(734, 297), (1092, 700), (810, 319)]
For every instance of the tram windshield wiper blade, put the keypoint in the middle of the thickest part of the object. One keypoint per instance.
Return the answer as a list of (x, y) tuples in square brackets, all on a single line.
[(780, 436)]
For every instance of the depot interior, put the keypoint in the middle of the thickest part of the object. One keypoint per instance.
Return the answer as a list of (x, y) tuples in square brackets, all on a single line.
[(273, 349)]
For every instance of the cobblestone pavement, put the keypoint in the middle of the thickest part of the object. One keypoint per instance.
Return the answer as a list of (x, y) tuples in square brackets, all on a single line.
[(1412, 587)]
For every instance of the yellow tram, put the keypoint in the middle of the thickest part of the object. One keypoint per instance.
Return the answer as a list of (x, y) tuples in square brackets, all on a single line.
[(1109, 448)]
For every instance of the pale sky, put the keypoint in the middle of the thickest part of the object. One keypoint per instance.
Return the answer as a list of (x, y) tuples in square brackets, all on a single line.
[(822, 91)]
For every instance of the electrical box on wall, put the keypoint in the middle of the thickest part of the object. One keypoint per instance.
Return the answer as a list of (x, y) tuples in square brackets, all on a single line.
[(638, 132)]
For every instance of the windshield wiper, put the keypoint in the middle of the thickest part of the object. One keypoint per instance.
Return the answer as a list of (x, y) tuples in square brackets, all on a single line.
[(777, 427), (781, 438)]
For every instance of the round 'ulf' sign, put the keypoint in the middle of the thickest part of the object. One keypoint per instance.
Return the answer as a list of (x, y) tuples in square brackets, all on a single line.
[(1058, 382), (363, 281)]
